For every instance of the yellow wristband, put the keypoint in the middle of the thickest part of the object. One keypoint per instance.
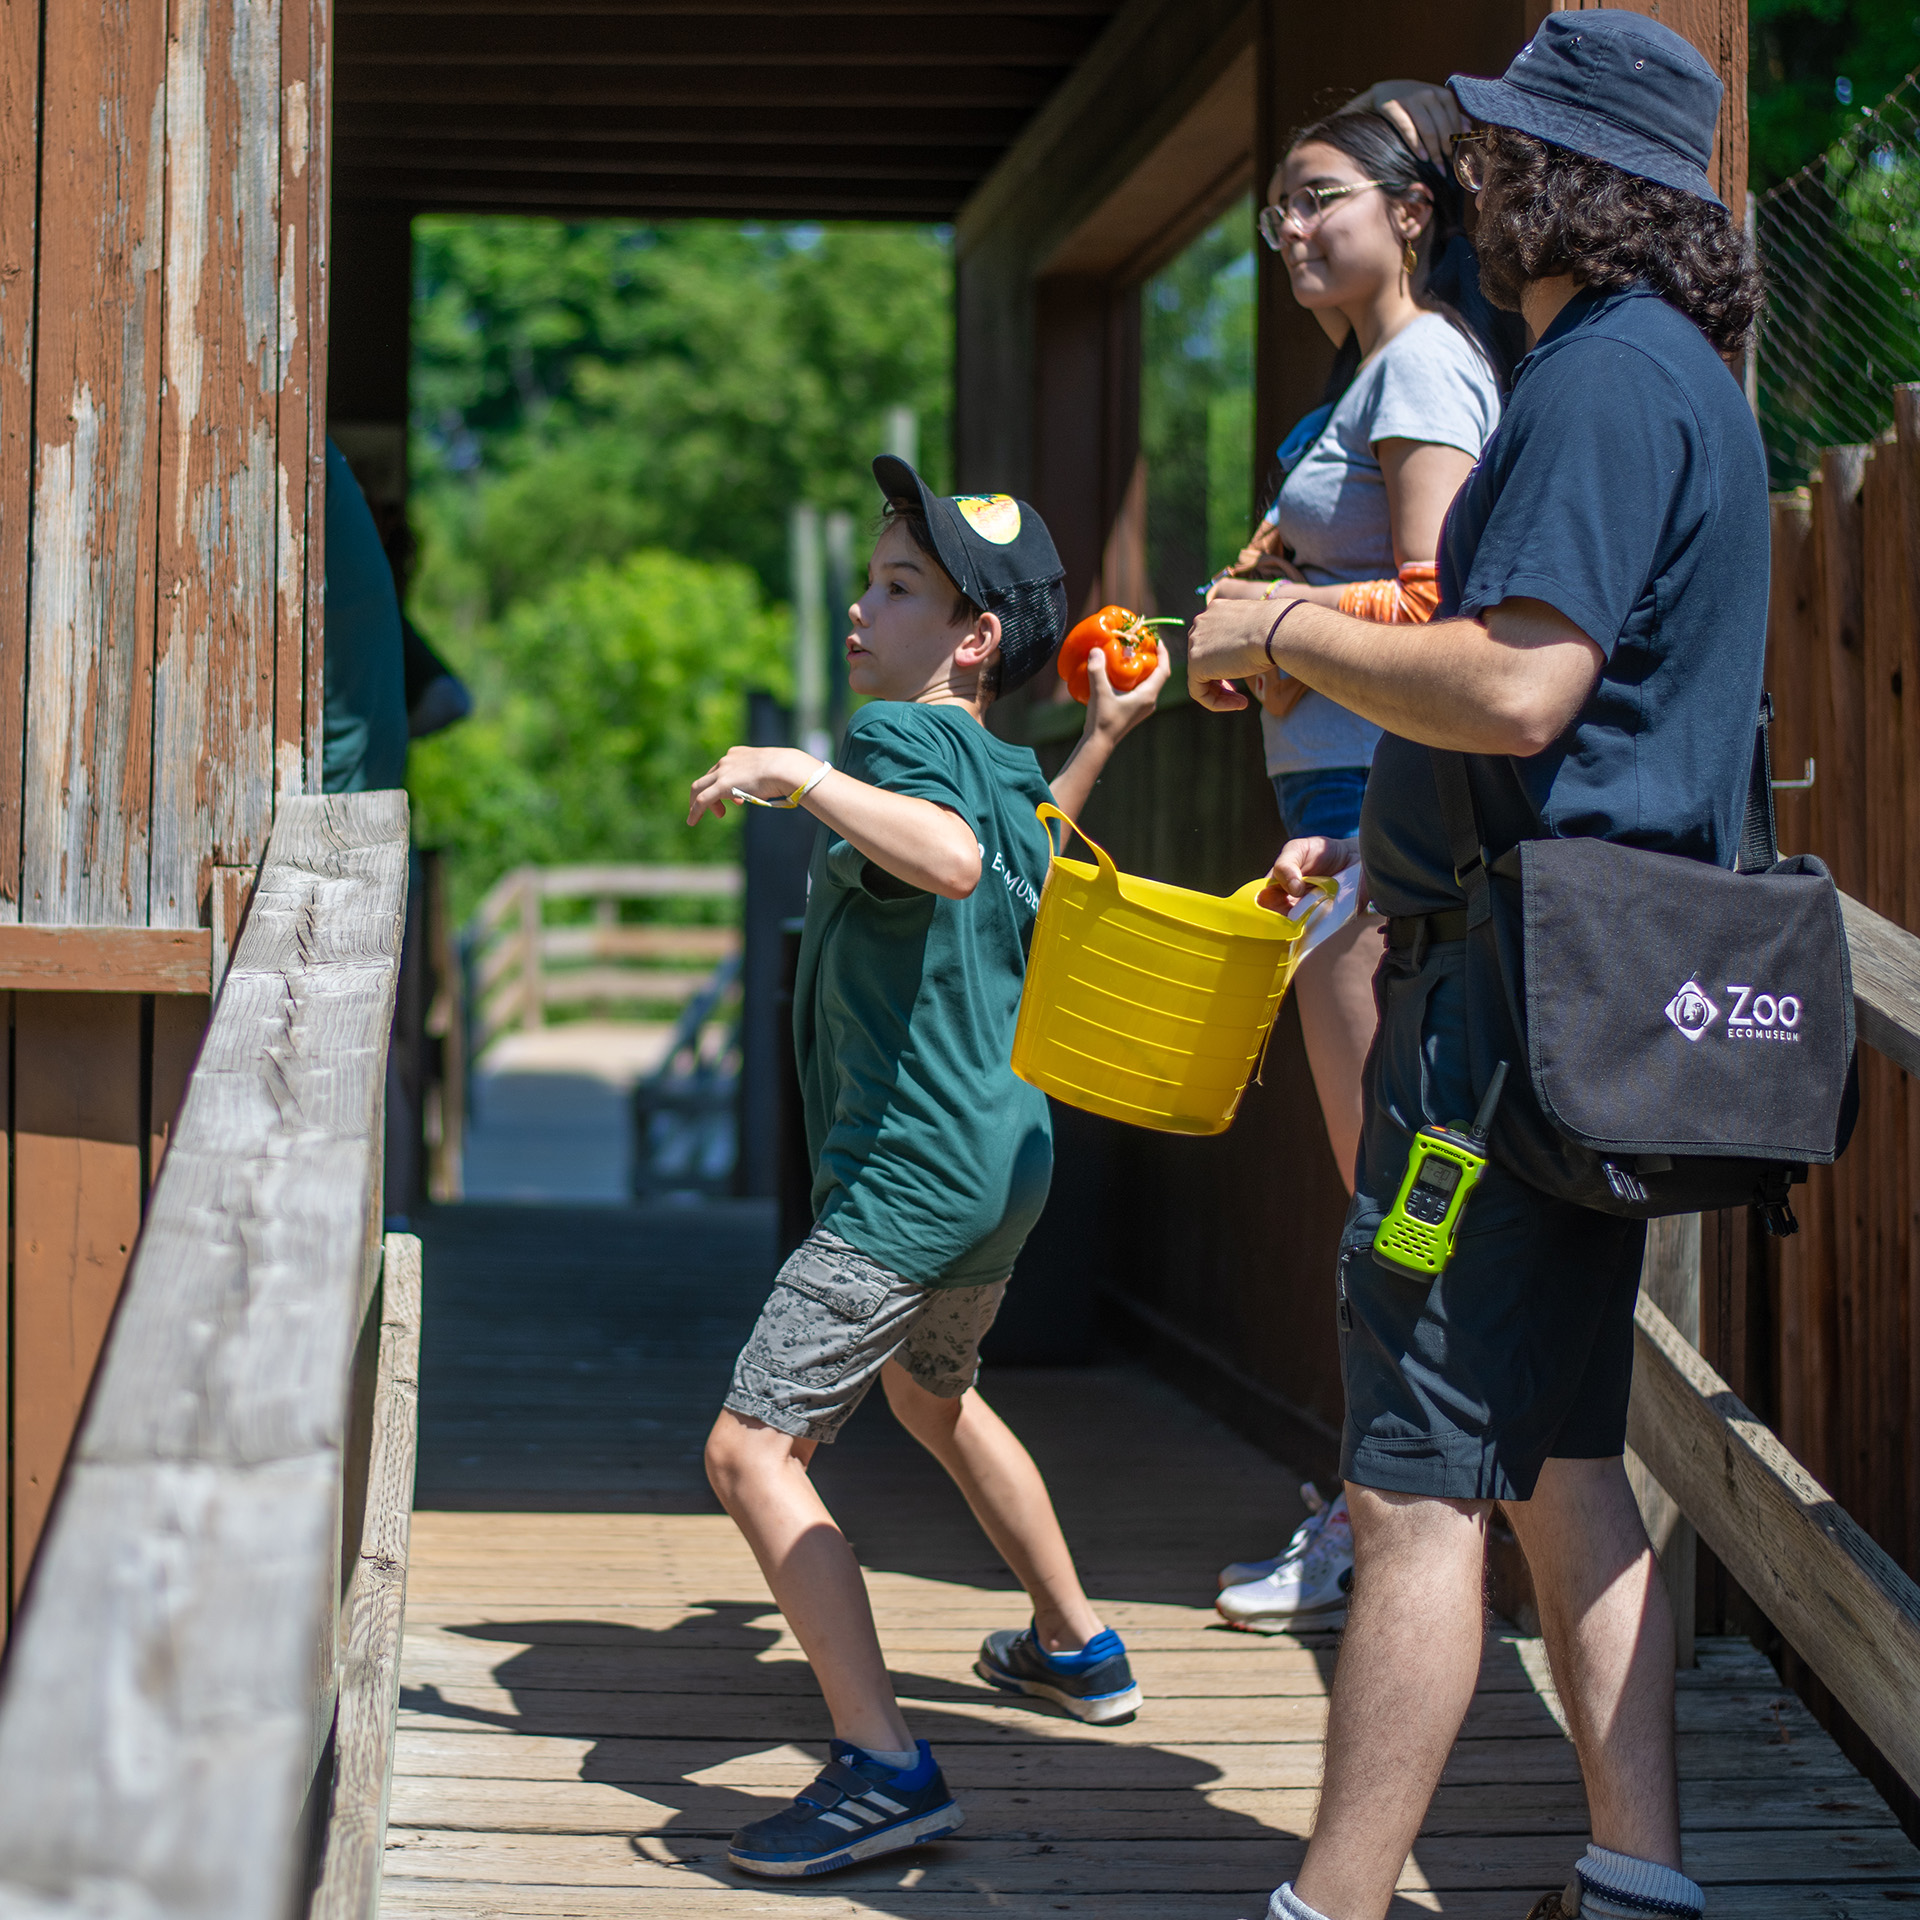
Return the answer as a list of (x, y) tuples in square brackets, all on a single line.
[(794, 798)]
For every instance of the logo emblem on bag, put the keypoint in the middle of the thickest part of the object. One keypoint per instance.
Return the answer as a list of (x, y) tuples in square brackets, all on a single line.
[(1691, 1011), (1764, 1016)]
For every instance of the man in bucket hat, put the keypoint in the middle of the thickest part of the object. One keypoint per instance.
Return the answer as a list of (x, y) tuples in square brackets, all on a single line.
[(1596, 658)]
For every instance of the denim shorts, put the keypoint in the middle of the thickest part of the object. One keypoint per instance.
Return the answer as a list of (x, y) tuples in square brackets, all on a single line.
[(834, 1319), (1322, 800), (1522, 1350)]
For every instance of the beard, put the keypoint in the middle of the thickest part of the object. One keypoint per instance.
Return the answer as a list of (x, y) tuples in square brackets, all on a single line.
[(1496, 239)]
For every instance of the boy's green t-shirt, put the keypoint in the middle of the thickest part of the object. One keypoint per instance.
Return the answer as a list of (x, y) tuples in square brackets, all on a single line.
[(929, 1155)]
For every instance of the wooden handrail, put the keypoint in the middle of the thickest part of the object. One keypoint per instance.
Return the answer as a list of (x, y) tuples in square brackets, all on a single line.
[(1886, 983), (170, 1684), (1842, 1604)]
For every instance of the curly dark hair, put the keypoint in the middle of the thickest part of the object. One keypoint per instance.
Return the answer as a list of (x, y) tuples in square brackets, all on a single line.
[(1546, 211)]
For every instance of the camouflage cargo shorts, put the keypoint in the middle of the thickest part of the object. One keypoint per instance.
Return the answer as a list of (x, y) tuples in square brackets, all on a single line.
[(834, 1319)]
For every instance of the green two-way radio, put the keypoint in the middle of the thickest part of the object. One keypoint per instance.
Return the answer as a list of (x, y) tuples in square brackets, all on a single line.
[(1416, 1238)]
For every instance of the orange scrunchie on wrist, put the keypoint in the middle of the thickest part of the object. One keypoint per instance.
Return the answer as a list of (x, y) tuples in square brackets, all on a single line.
[(1407, 600)]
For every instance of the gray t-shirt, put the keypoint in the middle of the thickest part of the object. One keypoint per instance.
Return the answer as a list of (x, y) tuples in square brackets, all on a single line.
[(1428, 383)]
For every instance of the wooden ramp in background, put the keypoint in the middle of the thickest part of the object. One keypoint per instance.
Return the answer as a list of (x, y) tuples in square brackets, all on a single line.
[(597, 1690)]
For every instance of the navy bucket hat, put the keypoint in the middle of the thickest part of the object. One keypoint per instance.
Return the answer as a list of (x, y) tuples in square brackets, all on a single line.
[(1614, 86)]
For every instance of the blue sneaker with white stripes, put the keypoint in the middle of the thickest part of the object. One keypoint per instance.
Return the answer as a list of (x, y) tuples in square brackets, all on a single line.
[(1095, 1684), (857, 1808)]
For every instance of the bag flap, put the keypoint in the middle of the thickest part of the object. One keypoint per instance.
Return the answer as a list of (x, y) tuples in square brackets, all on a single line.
[(1673, 1007)]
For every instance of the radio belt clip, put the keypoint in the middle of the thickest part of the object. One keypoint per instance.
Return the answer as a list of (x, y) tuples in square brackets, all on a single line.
[(1417, 1236)]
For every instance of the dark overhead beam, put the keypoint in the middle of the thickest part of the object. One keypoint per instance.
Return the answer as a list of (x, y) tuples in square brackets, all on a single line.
[(598, 199), (854, 89), (954, 169), (357, 10), (767, 39), (783, 127)]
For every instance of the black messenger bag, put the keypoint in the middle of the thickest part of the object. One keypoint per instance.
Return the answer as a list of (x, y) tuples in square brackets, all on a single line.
[(1687, 1031)]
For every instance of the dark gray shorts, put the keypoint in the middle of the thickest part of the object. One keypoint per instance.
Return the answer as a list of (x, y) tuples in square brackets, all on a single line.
[(834, 1319), (1522, 1351)]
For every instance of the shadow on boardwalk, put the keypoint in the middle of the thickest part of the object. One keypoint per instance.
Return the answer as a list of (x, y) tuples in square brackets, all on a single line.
[(598, 1691)]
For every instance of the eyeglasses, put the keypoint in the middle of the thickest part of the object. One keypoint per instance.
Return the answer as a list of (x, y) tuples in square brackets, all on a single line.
[(1304, 208), (1470, 160)]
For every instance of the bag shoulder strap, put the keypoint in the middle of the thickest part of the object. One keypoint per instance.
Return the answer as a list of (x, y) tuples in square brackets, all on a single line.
[(1461, 818), (1466, 846), (1759, 841)]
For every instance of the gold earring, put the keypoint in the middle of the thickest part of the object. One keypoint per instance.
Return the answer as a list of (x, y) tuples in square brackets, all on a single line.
[(1409, 259)]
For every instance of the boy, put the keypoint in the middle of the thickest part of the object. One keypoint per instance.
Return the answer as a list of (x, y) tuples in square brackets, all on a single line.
[(931, 1159)]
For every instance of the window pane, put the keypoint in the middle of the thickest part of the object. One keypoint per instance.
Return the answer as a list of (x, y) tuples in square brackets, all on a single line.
[(1196, 408)]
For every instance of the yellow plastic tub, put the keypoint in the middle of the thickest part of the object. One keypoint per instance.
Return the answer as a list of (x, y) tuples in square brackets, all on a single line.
[(1150, 1003)]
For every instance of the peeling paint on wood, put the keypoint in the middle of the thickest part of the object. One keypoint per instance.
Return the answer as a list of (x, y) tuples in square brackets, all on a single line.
[(88, 749), (296, 613), (19, 195), (220, 459), (312, 158)]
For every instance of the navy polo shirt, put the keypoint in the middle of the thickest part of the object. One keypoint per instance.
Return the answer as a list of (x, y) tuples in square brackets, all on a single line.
[(1625, 486)]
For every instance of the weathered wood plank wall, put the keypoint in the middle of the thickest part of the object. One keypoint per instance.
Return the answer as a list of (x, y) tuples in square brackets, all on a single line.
[(19, 220), (162, 213)]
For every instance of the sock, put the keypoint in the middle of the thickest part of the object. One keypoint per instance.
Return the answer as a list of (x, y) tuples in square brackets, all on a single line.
[(1287, 1905), (1616, 1886), (903, 1762), (1103, 1646)]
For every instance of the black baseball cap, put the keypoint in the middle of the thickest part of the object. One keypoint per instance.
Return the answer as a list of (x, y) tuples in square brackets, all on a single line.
[(1001, 556), (1614, 86)]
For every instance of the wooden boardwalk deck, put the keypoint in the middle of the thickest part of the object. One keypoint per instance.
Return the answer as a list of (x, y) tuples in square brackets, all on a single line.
[(597, 1690)]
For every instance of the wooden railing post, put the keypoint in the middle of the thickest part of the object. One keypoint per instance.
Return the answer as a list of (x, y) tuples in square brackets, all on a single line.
[(1670, 1278), (533, 1009), (375, 1608)]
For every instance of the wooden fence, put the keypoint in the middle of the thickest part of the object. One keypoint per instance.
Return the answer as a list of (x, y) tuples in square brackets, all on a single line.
[(1843, 1296), (519, 966), (198, 1702)]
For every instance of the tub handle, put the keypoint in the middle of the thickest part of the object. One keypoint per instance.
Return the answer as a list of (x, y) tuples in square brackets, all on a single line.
[(1325, 884), (1108, 871)]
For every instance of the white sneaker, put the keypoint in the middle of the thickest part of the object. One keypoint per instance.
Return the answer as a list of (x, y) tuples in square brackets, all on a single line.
[(1239, 1572), (1305, 1592)]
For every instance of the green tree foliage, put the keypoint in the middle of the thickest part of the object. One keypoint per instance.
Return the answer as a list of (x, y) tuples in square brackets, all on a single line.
[(610, 424), (1813, 64), (1196, 408), (584, 390), (597, 704)]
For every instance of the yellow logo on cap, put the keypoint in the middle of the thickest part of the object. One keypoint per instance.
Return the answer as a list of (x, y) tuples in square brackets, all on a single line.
[(993, 516)]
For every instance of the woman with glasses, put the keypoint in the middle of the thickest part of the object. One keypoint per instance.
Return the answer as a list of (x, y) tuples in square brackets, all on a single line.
[(1370, 231), (1371, 234)]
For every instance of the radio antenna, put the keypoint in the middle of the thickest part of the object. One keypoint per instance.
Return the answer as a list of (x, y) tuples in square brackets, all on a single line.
[(1483, 1120)]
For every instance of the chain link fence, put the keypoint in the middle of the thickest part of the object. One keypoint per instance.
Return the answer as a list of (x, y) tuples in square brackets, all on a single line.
[(1840, 242)]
